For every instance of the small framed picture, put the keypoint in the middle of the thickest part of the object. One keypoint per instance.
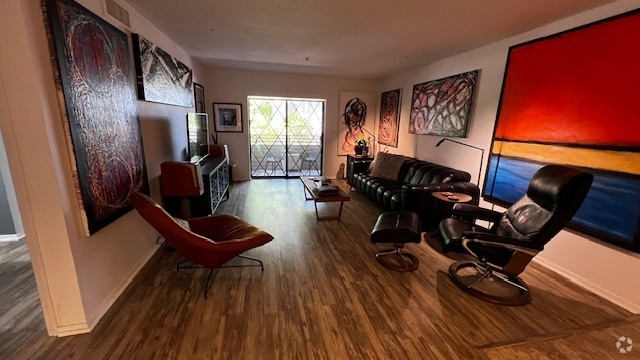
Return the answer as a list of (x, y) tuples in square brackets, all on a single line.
[(227, 117), (198, 96)]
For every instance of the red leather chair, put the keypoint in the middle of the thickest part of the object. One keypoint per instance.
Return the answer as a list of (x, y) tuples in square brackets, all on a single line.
[(208, 241)]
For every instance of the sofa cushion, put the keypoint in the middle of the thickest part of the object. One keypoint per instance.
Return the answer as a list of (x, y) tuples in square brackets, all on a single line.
[(387, 166)]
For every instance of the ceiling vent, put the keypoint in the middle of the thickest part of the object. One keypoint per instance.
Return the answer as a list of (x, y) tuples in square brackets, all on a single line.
[(118, 12)]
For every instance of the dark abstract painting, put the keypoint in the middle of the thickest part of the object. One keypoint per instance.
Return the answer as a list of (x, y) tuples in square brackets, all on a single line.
[(389, 122), (96, 76), (443, 107), (357, 120), (571, 98), (161, 78)]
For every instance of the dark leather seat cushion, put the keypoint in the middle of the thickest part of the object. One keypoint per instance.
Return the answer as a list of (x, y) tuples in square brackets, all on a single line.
[(397, 227), (451, 232)]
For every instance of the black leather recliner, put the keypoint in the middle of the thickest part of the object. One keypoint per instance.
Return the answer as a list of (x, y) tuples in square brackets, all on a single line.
[(504, 250)]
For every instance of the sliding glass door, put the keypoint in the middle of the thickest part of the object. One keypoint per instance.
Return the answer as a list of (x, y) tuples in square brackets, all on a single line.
[(286, 136)]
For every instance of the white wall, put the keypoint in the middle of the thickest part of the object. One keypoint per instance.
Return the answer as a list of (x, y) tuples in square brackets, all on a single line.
[(78, 277), (11, 214), (606, 270), (233, 86)]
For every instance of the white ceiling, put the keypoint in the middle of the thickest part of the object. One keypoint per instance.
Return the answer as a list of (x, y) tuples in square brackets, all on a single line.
[(356, 38)]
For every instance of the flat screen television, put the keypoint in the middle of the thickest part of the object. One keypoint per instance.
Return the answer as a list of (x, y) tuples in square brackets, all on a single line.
[(198, 137)]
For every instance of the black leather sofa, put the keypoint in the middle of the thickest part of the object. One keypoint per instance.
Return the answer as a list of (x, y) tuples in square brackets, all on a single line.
[(411, 191)]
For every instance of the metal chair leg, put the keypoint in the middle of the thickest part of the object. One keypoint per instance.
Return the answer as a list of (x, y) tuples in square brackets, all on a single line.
[(508, 281), (209, 280), (480, 278), (409, 261), (252, 259), (521, 297), (179, 265), (207, 283)]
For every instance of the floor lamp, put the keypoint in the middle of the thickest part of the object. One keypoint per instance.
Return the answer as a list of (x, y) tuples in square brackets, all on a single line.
[(471, 146)]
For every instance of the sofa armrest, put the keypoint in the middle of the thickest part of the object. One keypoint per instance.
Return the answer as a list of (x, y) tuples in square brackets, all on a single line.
[(360, 166), (356, 166), (460, 187)]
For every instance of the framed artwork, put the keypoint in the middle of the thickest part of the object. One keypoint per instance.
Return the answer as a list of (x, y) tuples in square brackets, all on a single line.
[(357, 120), (96, 80), (389, 123), (443, 107), (570, 99), (161, 77), (198, 97), (227, 117)]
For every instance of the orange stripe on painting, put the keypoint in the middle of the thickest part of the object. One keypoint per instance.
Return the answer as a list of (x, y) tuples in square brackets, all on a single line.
[(619, 161)]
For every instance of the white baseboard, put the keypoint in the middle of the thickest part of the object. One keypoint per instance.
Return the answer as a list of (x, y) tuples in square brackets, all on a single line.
[(74, 329), (606, 294), (11, 237), (94, 318)]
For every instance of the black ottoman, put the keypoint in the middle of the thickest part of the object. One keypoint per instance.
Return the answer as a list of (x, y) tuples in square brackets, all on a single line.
[(397, 228)]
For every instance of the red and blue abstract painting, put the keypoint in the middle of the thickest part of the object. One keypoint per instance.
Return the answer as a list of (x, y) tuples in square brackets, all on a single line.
[(572, 98)]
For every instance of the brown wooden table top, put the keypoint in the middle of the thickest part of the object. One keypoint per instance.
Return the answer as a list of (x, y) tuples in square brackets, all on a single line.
[(452, 197), (312, 187)]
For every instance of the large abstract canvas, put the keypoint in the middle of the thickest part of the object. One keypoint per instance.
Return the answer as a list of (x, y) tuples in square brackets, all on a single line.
[(96, 77), (389, 122), (443, 107), (357, 119), (161, 78), (571, 98)]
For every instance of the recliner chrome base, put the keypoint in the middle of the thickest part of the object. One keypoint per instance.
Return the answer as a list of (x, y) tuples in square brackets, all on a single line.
[(484, 272), (408, 262)]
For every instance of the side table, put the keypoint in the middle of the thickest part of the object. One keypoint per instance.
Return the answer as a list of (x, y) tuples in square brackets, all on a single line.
[(452, 197), (447, 199)]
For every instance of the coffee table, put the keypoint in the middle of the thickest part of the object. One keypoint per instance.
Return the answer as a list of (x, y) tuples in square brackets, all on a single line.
[(311, 188)]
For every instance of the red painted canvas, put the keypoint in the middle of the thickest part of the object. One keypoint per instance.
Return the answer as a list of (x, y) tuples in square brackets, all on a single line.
[(96, 76)]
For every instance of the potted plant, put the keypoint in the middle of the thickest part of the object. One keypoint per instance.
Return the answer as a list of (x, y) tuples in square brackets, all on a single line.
[(362, 146)]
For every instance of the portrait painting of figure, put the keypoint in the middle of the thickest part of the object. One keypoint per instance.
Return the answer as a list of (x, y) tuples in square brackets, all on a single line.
[(357, 120)]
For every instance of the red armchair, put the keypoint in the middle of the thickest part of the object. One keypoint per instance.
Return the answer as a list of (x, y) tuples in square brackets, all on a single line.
[(208, 241)]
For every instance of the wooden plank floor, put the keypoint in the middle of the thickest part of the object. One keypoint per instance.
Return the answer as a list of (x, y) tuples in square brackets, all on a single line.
[(20, 310), (324, 296)]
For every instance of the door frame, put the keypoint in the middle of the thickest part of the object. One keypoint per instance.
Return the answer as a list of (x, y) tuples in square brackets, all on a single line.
[(286, 171)]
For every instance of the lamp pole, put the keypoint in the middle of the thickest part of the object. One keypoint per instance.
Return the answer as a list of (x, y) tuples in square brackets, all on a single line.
[(471, 146), (372, 135)]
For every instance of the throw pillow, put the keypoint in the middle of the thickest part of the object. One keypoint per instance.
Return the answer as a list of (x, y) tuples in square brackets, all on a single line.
[(374, 162), (387, 166)]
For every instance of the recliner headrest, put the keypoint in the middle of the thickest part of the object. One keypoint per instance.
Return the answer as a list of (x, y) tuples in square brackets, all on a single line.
[(548, 184)]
